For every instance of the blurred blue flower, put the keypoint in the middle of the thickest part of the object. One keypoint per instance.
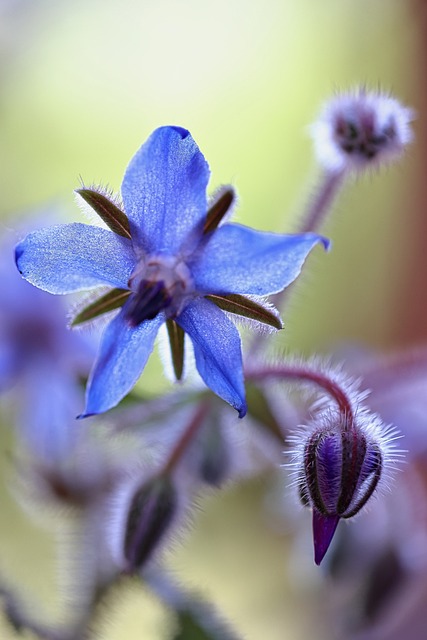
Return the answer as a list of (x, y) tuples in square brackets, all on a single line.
[(166, 257), (41, 361)]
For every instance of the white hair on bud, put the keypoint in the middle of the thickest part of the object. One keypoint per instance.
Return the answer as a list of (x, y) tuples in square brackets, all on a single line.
[(325, 415), (120, 500), (360, 130)]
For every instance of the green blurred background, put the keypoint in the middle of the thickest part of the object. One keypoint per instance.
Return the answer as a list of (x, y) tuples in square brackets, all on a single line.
[(83, 84)]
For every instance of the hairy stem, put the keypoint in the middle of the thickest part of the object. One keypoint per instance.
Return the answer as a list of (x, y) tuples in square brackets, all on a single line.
[(305, 374)]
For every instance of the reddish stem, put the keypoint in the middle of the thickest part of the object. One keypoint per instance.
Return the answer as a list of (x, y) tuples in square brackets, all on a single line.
[(299, 372), (186, 437)]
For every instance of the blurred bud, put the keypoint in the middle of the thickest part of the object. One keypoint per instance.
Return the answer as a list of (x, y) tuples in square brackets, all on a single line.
[(214, 461), (339, 465), (150, 515), (361, 130)]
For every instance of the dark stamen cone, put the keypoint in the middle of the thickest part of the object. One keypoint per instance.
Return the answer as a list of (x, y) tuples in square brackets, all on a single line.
[(152, 297)]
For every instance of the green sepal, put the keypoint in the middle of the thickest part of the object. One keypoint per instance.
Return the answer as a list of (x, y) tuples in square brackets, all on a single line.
[(218, 209), (176, 341), (113, 217), (242, 306), (110, 301), (259, 408)]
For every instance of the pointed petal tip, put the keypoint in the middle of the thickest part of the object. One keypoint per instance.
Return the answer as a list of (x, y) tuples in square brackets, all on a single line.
[(82, 416), (184, 133), (326, 243), (324, 528), (242, 410), (18, 253)]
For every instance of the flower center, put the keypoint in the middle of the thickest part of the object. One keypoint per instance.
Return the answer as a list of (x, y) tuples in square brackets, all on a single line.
[(159, 283)]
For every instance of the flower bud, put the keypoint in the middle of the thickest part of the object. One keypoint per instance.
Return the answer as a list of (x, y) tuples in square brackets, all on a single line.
[(360, 130), (339, 466), (214, 460), (150, 515)]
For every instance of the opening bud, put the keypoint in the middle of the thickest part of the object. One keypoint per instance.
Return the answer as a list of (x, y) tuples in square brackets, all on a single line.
[(339, 466)]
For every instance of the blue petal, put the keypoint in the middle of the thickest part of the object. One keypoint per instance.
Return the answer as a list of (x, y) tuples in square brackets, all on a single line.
[(217, 350), (46, 416), (71, 257), (237, 259), (164, 190), (122, 357)]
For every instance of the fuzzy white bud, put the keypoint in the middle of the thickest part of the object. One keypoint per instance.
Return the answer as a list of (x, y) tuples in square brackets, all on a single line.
[(361, 130)]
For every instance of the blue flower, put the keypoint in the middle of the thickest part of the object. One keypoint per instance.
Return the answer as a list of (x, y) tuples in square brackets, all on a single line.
[(41, 362), (169, 260)]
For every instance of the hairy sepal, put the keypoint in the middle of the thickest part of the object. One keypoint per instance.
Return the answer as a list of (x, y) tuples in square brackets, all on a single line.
[(113, 299), (246, 308), (107, 210)]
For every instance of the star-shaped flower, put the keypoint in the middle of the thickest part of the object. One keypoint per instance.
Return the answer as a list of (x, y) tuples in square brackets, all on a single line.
[(169, 260)]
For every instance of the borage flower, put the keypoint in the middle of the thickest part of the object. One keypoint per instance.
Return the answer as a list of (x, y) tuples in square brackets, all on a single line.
[(169, 260)]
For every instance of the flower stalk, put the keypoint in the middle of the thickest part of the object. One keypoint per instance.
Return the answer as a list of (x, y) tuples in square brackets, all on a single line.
[(304, 373), (186, 438)]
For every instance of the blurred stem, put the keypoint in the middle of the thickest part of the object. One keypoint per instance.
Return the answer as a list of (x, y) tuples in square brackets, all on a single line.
[(186, 437), (315, 215), (322, 202), (311, 222)]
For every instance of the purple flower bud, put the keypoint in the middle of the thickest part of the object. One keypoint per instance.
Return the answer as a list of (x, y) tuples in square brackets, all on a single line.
[(340, 473), (340, 464), (150, 515), (341, 470)]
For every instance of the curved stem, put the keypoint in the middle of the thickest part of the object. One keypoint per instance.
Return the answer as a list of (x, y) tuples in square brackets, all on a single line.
[(301, 372)]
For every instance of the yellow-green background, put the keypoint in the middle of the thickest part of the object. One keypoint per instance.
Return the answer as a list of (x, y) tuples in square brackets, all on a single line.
[(82, 85)]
